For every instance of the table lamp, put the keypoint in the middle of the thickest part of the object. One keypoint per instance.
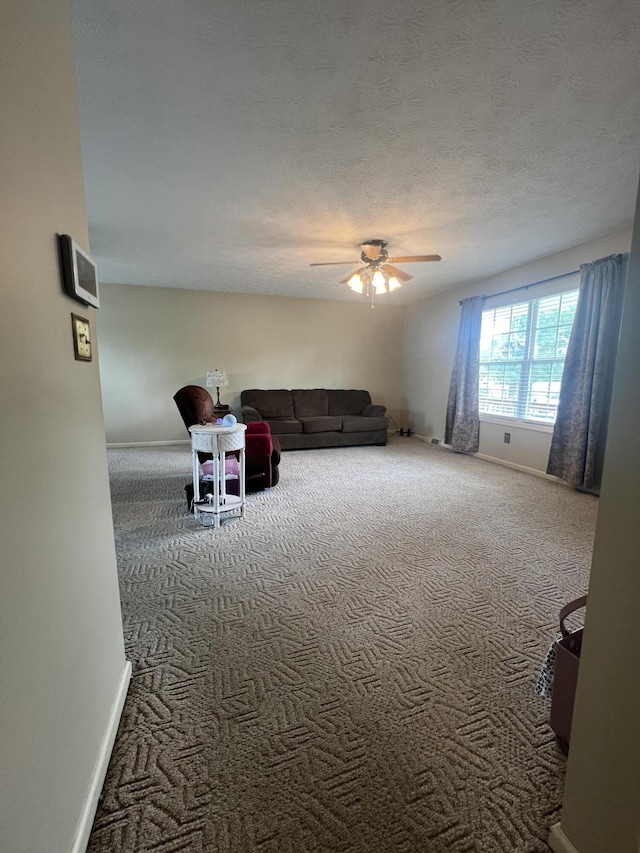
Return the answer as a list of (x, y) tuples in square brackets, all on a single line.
[(217, 379)]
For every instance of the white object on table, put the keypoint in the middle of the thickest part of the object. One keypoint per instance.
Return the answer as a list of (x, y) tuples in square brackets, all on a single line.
[(218, 440)]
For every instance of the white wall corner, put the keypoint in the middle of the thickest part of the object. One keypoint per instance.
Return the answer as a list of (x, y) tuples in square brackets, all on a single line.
[(559, 842), (102, 762)]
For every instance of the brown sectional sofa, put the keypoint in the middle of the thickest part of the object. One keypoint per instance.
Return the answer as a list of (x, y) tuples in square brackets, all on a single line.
[(317, 417)]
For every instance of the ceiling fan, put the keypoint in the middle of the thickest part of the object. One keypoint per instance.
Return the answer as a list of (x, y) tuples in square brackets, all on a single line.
[(377, 274)]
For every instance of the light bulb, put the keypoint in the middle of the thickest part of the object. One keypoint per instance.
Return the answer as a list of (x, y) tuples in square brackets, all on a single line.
[(394, 284), (379, 283), (355, 283)]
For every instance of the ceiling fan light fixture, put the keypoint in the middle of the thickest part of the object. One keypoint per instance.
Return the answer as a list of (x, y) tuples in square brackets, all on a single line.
[(355, 283), (377, 274), (379, 283)]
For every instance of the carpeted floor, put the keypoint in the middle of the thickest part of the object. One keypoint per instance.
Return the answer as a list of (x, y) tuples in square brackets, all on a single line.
[(351, 667)]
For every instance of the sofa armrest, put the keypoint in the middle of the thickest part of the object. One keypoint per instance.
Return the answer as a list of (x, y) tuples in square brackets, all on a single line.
[(373, 411), (250, 415)]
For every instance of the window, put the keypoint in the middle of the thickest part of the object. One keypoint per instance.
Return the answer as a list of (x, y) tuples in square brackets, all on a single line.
[(522, 352)]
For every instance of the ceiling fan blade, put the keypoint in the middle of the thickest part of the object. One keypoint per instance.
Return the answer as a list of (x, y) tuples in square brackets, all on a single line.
[(403, 276), (408, 259), (335, 264)]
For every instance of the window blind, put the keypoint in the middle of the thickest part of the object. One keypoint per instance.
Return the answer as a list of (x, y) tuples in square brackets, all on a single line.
[(522, 352)]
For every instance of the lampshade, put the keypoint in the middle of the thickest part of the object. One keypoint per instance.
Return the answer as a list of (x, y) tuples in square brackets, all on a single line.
[(378, 282), (217, 378), (371, 281), (355, 283)]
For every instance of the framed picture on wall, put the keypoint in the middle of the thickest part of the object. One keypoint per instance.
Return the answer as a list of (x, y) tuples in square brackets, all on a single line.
[(79, 272)]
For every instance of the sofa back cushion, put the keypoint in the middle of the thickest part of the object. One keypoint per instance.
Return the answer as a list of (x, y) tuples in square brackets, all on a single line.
[(270, 404), (310, 403), (348, 402)]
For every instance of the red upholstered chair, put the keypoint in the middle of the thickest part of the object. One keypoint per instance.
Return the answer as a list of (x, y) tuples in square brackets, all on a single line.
[(262, 451), (262, 456)]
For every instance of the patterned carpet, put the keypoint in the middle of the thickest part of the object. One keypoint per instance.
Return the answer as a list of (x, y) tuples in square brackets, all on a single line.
[(351, 667)]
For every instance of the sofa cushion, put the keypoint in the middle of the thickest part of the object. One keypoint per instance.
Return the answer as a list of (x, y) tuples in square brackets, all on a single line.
[(347, 402), (326, 424), (357, 424), (270, 404), (310, 403), (284, 426)]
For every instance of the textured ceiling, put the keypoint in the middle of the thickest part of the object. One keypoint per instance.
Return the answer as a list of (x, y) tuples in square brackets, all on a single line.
[(229, 144)]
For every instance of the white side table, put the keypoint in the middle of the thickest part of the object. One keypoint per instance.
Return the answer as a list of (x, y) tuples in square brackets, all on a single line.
[(217, 440)]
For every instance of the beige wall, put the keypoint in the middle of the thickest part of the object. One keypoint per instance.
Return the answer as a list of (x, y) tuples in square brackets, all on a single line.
[(61, 633), (430, 336), (601, 810), (155, 340)]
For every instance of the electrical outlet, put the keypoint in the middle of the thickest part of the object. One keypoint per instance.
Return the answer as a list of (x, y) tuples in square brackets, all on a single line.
[(507, 438)]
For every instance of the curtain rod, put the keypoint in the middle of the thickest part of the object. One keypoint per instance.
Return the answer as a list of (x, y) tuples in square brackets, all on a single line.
[(533, 284)]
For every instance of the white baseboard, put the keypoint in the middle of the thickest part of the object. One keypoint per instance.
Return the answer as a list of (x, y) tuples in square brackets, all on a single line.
[(497, 461), (517, 467), (115, 444), (427, 440), (100, 770), (559, 842)]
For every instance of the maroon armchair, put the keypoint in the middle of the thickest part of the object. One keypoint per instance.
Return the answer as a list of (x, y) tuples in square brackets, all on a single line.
[(262, 451)]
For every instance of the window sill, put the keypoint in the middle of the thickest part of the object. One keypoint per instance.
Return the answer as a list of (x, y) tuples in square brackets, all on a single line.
[(517, 423)]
